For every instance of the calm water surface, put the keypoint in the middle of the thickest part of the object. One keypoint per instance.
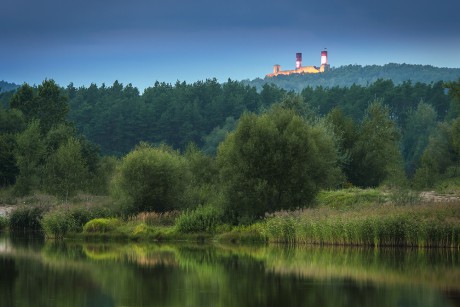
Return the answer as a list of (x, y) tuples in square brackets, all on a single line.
[(38, 273)]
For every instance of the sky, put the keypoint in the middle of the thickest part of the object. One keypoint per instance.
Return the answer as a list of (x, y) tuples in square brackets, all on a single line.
[(143, 41)]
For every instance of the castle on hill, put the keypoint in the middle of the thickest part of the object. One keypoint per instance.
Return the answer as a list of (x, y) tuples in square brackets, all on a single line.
[(299, 69)]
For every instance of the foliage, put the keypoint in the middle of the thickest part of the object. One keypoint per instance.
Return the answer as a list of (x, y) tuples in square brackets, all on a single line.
[(47, 104), (150, 179), (3, 223), (441, 158), (202, 219), (56, 224), (101, 225), (375, 156), (275, 161), (66, 171), (62, 220), (419, 126), (30, 151), (203, 174), (27, 218)]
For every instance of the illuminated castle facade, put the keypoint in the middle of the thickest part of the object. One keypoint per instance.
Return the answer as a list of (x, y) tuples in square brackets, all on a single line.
[(299, 69)]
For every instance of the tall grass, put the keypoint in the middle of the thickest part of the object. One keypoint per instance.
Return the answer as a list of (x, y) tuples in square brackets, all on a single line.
[(157, 218), (202, 219), (379, 225)]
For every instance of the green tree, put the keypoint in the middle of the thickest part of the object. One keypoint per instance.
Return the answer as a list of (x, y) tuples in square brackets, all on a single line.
[(419, 126), (376, 156), (274, 161), (30, 151), (202, 186), (66, 171), (47, 104), (346, 132), (150, 179)]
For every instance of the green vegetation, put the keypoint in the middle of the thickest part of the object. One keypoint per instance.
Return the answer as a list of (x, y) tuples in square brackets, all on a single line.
[(276, 152), (150, 179), (202, 219), (3, 223), (101, 225), (26, 218), (387, 225), (350, 198), (275, 161)]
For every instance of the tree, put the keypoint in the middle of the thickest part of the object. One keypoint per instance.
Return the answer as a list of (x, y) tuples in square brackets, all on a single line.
[(66, 171), (346, 132), (376, 156), (419, 126), (30, 151), (150, 179), (274, 161), (47, 104)]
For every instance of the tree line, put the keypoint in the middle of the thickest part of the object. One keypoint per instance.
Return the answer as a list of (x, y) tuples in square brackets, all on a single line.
[(271, 149)]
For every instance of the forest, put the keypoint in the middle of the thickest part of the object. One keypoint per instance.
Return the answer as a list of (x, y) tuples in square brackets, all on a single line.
[(226, 147)]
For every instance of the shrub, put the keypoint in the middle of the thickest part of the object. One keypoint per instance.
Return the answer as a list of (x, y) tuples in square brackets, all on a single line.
[(202, 219), (3, 223), (62, 220), (101, 225), (56, 224), (150, 179), (27, 218)]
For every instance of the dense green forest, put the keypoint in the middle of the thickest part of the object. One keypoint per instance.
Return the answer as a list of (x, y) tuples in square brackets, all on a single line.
[(226, 145), (346, 76)]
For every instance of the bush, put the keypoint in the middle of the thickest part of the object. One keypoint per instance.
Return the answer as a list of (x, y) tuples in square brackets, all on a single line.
[(66, 219), (202, 219), (56, 224), (27, 218), (3, 223), (101, 225), (150, 179)]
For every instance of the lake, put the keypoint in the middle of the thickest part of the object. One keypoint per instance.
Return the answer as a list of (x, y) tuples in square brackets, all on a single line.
[(38, 273)]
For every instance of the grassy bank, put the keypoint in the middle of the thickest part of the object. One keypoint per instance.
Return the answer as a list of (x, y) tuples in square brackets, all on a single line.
[(426, 225), (369, 217)]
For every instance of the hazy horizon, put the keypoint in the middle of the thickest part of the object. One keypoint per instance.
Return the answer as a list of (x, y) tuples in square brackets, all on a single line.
[(144, 41)]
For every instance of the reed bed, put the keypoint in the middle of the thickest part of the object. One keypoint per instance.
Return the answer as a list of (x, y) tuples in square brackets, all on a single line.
[(428, 225)]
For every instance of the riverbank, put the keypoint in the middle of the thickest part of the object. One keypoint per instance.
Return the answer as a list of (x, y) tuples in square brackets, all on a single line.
[(357, 217), (424, 225)]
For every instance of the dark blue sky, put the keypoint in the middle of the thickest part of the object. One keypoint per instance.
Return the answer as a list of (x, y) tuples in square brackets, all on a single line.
[(142, 41)]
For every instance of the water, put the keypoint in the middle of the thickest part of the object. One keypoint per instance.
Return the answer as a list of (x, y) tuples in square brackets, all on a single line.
[(38, 273)]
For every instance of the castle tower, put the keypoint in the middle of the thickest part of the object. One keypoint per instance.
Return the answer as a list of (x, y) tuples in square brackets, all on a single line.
[(324, 57), (298, 60), (276, 69)]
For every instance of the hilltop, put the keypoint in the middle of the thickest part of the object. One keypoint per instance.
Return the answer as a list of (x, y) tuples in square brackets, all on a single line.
[(345, 76), (6, 86)]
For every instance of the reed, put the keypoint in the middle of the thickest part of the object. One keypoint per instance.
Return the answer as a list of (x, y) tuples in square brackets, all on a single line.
[(430, 225)]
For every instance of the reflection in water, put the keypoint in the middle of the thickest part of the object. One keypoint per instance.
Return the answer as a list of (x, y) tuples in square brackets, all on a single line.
[(58, 274)]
